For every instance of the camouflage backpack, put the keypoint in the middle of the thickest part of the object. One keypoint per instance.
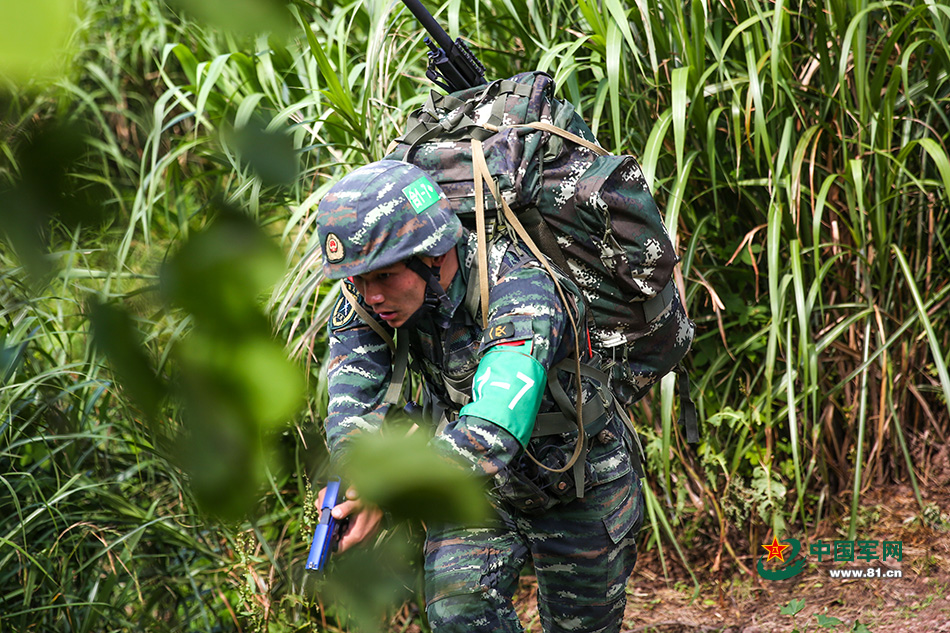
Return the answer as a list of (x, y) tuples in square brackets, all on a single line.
[(511, 155)]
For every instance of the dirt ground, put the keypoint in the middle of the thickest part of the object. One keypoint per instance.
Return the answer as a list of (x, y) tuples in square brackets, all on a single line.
[(737, 601)]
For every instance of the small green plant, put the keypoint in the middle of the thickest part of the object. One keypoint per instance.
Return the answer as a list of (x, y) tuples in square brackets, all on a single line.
[(795, 606), (827, 621)]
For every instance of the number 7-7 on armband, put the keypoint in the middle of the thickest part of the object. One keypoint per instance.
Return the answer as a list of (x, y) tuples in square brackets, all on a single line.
[(325, 536)]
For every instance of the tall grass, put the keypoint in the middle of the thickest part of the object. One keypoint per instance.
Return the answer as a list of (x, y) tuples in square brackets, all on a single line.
[(799, 151), (100, 526)]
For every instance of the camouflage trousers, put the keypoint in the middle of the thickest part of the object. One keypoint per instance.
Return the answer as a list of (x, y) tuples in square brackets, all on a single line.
[(583, 552)]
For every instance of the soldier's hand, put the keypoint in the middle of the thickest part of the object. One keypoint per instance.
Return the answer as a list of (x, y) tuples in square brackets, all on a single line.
[(364, 519)]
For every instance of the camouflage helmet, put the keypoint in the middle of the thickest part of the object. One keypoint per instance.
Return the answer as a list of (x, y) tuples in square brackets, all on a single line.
[(381, 214)]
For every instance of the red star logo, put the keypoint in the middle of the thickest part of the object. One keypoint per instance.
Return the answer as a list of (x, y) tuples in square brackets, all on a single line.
[(775, 550)]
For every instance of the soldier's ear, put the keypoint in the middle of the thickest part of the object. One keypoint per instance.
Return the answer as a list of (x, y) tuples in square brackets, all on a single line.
[(431, 261)]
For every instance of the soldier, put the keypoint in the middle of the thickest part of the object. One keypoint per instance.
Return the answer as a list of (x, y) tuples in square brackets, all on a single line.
[(389, 231)]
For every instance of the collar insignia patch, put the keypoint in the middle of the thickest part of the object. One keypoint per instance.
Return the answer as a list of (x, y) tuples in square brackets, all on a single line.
[(343, 314)]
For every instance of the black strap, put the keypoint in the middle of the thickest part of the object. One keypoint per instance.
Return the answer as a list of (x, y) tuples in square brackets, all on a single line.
[(540, 231), (559, 423), (652, 308), (631, 439), (435, 294), (400, 371), (687, 407)]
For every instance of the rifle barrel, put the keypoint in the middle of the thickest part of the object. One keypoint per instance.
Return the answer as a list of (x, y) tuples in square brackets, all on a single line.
[(429, 24)]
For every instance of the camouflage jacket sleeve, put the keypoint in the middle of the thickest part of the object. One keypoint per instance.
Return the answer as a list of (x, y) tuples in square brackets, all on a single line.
[(524, 310), (359, 369)]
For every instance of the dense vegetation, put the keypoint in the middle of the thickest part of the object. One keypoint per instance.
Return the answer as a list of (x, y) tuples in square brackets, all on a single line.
[(160, 167)]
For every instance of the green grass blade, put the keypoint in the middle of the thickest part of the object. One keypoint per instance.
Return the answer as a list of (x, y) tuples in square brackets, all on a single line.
[(862, 427), (679, 82), (932, 339)]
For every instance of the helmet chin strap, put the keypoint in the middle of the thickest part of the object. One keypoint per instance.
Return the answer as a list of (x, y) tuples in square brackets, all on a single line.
[(434, 294)]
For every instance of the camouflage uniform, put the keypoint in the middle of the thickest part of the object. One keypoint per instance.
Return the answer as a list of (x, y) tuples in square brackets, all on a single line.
[(583, 549)]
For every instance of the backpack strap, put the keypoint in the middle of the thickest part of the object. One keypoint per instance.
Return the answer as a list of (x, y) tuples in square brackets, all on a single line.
[(655, 306), (563, 421), (687, 406), (473, 300), (456, 388), (553, 129), (538, 228), (399, 347), (636, 449), (424, 132), (595, 411), (481, 256), (400, 371), (520, 88), (459, 119), (367, 318), (479, 164)]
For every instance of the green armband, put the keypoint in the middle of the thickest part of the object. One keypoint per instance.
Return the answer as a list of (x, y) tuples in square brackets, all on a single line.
[(507, 390)]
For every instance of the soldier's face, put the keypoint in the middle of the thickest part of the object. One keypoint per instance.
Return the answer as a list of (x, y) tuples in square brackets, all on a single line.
[(394, 292)]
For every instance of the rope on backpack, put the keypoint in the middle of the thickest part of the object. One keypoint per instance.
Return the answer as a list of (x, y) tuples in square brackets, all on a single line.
[(482, 174)]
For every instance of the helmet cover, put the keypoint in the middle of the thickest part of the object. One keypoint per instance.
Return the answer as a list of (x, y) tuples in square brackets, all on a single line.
[(381, 214)]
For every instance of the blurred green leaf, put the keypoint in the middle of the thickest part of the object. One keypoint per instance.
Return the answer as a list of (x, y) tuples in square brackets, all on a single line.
[(252, 372), (221, 452), (373, 579), (33, 37), (21, 222), (115, 334), (237, 381), (48, 191), (406, 477), (270, 155), (218, 275), (241, 17), (237, 393)]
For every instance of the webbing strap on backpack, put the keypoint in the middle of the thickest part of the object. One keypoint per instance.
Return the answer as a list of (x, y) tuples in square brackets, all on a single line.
[(473, 291), (553, 129), (459, 120), (481, 261), (687, 407), (636, 452), (480, 167)]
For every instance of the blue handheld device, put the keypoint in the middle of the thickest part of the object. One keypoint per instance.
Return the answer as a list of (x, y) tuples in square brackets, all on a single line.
[(325, 534)]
